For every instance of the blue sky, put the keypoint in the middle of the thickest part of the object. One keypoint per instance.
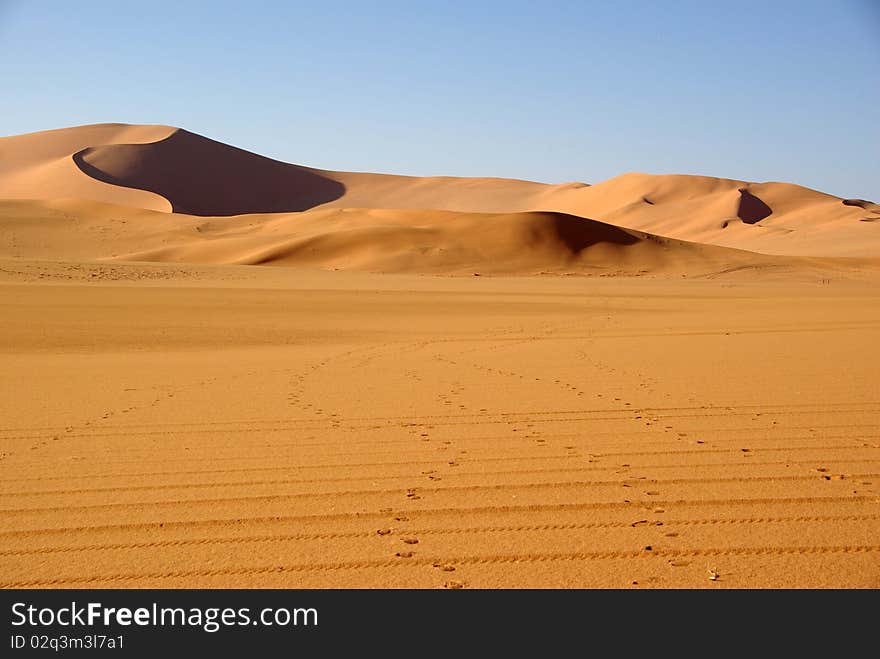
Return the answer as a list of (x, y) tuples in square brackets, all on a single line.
[(549, 91)]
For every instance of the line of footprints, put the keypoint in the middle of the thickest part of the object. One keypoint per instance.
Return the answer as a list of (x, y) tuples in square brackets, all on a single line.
[(412, 494)]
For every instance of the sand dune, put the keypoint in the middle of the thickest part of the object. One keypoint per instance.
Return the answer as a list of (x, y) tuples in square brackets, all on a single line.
[(772, 218), (156, 167), (172, 170), (381, 240), (41, 165), (418, 241)]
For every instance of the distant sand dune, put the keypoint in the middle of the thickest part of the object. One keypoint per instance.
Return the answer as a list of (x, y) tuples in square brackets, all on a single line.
[(171, 170)]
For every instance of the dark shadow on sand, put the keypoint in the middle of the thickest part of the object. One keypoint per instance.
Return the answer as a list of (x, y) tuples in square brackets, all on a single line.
[(199, 176), (751, 209)]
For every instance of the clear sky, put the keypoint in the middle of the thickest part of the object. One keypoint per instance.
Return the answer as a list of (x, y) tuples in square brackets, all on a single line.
[(550, 91)]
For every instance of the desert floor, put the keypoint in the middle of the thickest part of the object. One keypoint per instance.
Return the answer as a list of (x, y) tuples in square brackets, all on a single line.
[(234, 426)]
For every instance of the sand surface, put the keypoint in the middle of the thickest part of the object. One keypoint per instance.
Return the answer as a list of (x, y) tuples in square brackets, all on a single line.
[(182, 426), (222, 370)]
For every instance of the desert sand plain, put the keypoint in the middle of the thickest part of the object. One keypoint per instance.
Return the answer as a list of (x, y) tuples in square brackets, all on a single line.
[(219, 370)]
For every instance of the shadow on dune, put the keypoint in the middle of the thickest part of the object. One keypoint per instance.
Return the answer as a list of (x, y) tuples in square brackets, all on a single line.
[(751, 209), (199, 176), (860, 203), (578, 233)]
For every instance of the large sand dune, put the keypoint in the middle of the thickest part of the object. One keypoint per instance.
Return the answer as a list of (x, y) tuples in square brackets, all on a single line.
[(172, 170)]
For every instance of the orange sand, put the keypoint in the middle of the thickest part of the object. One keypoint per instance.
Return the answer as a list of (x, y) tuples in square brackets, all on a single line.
[(631, 395)]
